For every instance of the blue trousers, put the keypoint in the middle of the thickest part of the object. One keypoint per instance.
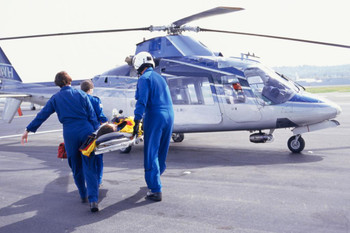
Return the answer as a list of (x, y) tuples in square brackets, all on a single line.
[(84, 168), (99, 168), (158, 126)]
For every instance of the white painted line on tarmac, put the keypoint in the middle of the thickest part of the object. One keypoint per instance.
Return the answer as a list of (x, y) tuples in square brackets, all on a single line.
[(25, 116), (21, 116), (41, 132)]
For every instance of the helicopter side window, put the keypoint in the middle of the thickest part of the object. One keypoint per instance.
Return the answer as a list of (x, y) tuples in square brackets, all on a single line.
[(155, 45), (234, 93), (268, 86), (179, 95), (192, 94), (232, 89), (190, 91), (257, 85), (206, 93), (274, 91)]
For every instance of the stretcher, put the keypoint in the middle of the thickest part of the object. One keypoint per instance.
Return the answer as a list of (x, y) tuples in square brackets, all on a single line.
[(115, 136), (122, 139), (115, 141)]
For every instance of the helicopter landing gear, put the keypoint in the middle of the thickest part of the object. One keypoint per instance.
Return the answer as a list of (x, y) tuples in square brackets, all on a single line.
[(126, 150), (296, 144), (32, 107), (178, 137)]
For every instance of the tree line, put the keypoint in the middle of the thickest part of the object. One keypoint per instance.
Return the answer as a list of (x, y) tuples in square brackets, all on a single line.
[(319, 72)]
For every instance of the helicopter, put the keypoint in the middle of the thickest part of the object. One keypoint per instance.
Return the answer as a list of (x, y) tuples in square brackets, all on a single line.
[(210, 92)]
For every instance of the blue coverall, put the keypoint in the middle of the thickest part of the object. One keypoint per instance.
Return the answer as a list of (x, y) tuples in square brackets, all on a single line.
[(79, 120), (154, 102), (97, 105)]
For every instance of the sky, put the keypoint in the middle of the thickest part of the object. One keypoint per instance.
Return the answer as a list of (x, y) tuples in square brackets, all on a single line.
[(85, 56)]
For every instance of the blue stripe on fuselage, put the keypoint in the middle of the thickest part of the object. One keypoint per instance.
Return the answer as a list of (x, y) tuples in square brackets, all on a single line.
[(305, 99)]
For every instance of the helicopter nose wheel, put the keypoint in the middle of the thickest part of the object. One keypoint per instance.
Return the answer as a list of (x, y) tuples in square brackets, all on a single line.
[(296, 144), (178, 137)]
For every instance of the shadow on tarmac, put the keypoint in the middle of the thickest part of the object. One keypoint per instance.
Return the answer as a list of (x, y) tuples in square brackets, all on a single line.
[(63, 209), (191, 157), (331, 148), (35, 210), (184, 156)]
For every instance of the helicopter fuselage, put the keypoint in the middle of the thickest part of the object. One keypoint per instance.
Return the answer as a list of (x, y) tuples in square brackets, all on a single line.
[(210, 92), (219, 94)]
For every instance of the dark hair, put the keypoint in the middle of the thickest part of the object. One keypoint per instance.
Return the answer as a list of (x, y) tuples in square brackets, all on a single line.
[(63, 79), (144, 66), (107, 128), (86, 85)]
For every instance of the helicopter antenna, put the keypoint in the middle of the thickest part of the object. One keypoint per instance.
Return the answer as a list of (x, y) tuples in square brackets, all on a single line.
[(247, 55)]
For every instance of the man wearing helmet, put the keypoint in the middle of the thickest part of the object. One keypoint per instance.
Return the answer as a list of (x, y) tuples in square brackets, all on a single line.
[(154, 105)]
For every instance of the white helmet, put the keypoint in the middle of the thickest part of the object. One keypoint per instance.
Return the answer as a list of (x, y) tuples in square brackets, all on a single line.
[(142, 58)]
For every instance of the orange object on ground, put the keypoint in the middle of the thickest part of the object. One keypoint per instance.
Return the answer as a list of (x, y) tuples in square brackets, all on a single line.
[(19, 110)]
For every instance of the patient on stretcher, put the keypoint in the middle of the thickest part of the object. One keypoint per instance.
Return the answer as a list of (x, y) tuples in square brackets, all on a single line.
[(120, 127), (116, 135), (106, 128), (108, 133)]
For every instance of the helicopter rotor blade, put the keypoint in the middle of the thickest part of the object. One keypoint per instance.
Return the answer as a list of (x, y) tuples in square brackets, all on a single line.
[(208, 13), (75, 33), (277, 37)]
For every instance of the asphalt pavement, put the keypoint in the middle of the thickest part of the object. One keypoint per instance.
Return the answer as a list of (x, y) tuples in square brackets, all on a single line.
[(214, 182)]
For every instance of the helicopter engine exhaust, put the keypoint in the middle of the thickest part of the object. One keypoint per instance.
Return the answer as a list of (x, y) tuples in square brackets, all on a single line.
[(261, 137)]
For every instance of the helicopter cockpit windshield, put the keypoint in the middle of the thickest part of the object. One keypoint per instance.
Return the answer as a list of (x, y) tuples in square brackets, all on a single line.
[(268, 85)]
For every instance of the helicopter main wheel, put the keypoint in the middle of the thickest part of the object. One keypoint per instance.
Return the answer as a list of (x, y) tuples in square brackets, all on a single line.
[(178, 137), (296, 144), (32, 107), (126, 150)]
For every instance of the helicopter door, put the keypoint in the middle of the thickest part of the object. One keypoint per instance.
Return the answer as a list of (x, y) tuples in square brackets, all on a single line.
[(193, 100), (238, 101)]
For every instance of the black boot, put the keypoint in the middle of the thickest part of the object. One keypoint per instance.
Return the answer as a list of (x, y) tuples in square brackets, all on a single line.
[(154, 196), (93, 207)]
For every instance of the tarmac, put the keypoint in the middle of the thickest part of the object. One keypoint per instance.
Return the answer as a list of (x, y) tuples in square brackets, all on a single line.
[(214, 182)]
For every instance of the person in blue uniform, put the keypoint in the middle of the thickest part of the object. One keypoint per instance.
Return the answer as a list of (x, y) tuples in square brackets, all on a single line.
[(154, 105), (88, 87), (75, 112)]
